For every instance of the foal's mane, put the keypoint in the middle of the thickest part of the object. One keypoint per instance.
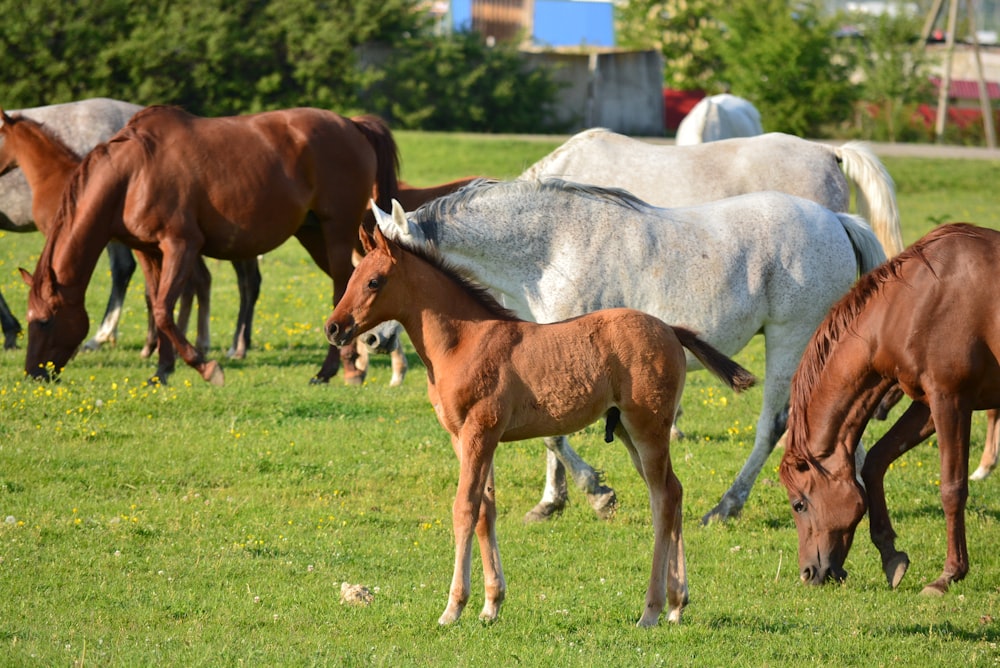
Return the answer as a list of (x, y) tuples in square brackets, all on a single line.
[(29, 125), (839, 323), (428, 215), (463, 279)]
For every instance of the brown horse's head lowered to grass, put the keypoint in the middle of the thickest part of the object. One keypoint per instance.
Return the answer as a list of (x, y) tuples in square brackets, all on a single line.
[(174, 186), (493, 377), (924, 321)]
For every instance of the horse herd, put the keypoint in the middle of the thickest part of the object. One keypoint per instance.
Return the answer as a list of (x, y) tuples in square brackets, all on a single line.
[(601, 243)]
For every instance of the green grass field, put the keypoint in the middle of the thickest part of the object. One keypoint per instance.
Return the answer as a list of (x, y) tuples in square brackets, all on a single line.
[(189, 525)]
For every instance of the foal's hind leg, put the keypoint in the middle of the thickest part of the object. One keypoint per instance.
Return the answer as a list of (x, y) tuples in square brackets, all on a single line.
[(559, 457), (991, 450), (668, 577)]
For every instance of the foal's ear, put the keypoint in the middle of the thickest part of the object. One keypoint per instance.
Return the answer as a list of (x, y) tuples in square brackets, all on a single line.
[(26, 276), (367, 241)]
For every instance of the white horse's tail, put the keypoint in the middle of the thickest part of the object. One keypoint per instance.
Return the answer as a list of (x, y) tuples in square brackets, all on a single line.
[(867, 247), (875, 193)]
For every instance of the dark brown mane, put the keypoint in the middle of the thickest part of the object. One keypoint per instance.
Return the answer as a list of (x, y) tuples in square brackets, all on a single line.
[(839, 322), (462, 278)]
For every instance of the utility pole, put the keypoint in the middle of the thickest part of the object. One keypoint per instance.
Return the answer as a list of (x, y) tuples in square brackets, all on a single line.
[(984, 98)]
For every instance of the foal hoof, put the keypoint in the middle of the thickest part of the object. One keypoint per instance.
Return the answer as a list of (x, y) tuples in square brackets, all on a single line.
[(936, 588), (895, 568), (354, 379), (212, 372), (543, 511), (604, 502)]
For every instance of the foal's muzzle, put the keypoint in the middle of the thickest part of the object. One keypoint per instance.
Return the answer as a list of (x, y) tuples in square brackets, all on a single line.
[(340, 335)]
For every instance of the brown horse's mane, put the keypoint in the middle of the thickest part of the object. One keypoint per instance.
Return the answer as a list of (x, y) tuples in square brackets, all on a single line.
[(463, 279), (839, 323)]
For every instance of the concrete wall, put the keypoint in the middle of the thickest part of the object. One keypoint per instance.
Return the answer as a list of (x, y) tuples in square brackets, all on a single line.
[(618, 90)]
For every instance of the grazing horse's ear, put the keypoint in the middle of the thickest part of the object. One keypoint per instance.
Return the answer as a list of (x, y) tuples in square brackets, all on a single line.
[(382, 219), (26, 276), (399, 217)]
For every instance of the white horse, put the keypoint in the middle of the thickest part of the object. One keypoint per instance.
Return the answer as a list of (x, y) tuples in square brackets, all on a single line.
[(81, 126), (719, 117), (674, 176), (763, 262)]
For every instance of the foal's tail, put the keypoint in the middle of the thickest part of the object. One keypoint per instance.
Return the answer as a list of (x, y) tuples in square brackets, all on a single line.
[(728, 371), (380, 137), (875, 193)]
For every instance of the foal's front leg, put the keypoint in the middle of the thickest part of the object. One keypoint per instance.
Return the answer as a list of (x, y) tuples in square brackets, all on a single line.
[(474, 511)]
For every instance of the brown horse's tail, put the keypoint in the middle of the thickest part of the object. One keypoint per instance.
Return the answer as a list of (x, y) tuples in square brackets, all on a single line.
[(728, 371), (380, 137)]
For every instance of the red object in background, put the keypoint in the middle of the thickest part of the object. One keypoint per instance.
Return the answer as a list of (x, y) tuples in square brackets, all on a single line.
[(677, 104)]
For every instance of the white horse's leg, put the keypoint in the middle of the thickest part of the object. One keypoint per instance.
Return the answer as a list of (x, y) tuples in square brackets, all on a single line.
[(560, 457), (770, 426), (122, 265)]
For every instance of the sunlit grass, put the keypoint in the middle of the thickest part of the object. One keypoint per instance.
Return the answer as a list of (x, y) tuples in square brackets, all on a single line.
[(190, 525)]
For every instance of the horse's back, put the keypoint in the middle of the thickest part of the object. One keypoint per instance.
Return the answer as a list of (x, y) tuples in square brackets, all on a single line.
[(719, 117), (80, 125), (673, 176)]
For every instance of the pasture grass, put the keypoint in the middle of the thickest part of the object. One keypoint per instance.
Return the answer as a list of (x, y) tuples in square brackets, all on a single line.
[(191, 525)]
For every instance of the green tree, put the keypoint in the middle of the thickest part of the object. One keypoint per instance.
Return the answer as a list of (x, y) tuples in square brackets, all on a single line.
[(894, 68), (459, 83), (686, 32), (784, 57)]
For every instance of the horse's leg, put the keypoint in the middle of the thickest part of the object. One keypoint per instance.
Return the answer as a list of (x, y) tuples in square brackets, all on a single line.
[(122, 267), (179, 258), (11, 327), (248, 279), (991, 449), (475, 455), (333, 256), (770, 426), (493, 580), (668, 577), (201, 285), (399, 364), (559, 457), (954, 424), (155, 339), (361, 363), (912, 427)]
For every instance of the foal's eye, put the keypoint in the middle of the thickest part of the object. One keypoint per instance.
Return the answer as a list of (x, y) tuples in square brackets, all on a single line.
[(799, 506), (374, 283)]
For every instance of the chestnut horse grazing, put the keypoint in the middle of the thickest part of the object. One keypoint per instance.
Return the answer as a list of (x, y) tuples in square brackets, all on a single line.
[(493, 377), (48, 164), (81, 125), (171, 185), (923, 321)]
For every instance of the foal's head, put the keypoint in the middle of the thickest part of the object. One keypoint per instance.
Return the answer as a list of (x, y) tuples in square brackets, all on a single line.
[(369, 299), (8, 159), (57, 324)]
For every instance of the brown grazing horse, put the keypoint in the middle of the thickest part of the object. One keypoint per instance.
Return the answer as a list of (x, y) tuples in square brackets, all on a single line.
[(176, 186), (493, 377), (48, 164), (922, 321)]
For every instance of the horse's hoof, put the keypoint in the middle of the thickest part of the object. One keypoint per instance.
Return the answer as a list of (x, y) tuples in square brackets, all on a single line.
[(354, 380), (936, 588), (980, 474), (675, 434), (895, 569), (604, 502), (213, 374), (725, 510), (543, 511)]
